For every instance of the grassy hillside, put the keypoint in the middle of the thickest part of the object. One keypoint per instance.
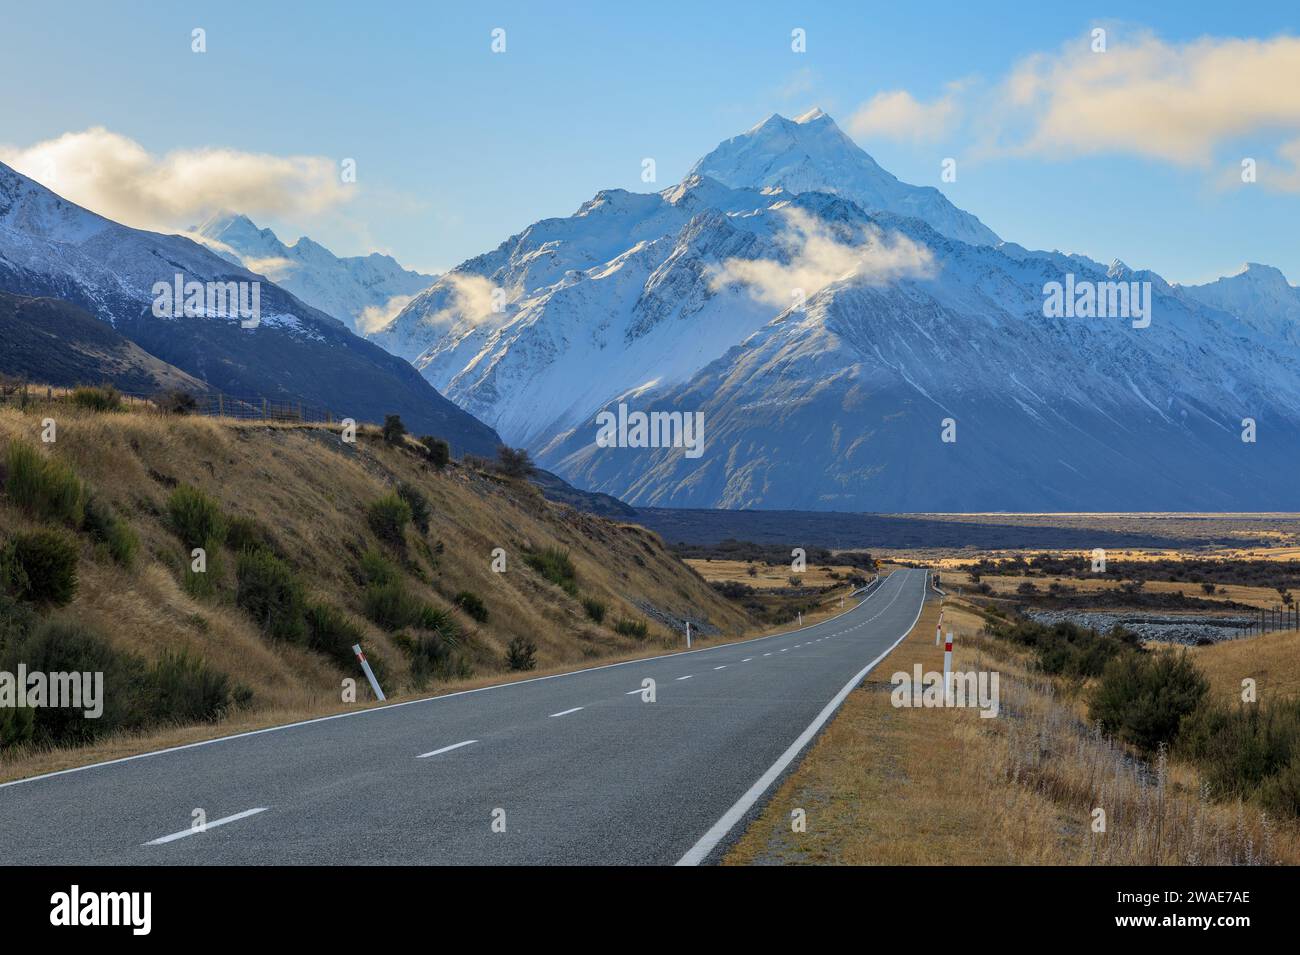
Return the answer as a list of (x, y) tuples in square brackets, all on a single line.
[(302, 562)]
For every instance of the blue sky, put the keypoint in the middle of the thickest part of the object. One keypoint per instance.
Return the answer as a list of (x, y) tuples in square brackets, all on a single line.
[(457, 147)]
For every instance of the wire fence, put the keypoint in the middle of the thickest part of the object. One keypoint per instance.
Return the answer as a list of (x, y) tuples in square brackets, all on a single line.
[(210, 404)]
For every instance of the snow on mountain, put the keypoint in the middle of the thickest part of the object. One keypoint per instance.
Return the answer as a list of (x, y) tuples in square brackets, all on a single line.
[(811, 154), (50, 247), (1258, 294), (825, 318), (360, 290)]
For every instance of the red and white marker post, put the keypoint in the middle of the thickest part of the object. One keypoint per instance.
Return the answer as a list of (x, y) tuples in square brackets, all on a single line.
[(947, 669), (370, 674)]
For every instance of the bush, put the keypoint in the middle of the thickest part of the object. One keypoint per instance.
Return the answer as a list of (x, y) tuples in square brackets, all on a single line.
[(17, 725), (176, 401), (1066, 649), (42, 566), (556, 566), (202, 584), (17, 621), (394, 430), (248, 533), (418, 503), (595, 609), (184, 689), (196, 518), (514, 462), (43, 486), (390, 607), (378, 569), (270, 593), (103, 398), (472, 604), (105, 527), (1280, 793), (432, 655), (1239, 749), (329, 631), (438, 450), (1143, 699), (521, 654), (632, 628), (61, 647), (388, 518)]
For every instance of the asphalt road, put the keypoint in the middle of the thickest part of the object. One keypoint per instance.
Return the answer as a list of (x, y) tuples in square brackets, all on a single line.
[(579, 767)]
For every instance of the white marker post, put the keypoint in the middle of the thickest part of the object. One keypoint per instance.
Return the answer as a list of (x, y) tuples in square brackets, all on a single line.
[(688, 634), (947, 670), (801, 618), (370, 674), (938, 629)]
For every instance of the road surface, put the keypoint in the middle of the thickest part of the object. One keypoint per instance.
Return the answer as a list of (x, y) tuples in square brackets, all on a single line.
[(576, 768)]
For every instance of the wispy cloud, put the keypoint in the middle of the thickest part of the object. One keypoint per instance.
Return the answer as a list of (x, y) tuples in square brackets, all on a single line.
[(376, 317), (117, 177), (816, 257), (469, 301), (897, 114)]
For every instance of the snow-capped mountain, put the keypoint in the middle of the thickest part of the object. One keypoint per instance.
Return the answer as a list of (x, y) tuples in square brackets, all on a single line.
[(811, 154), (825, 319), (358, 290), (1259, 294), (53, 248)]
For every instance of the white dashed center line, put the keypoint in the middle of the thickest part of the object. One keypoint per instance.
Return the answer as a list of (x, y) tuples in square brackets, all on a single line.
[(687, 677), (447, 749), (564, 712), (211, 825), (723, 667)]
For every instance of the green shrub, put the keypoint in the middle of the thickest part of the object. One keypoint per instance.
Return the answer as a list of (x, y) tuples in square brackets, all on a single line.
[(331, 632), (105, 527), (388, 518), (196, 518), (248, 533), (43, 486), (17, 621), (1239, 748), (595, 609), (1066, 649), (394, 430), (62, 647), (514, 462), (378, 569), (202, 584), (183, 689), (390, 607), (439, 621), (418, 503), (102, 398), (1280, 793), (270, 593), (472, 604), (438, 451), (17, 725), (43, 567), (632, 628), (521, 654), (176, 401), (556, 566), (1143, 698), (433, 655)]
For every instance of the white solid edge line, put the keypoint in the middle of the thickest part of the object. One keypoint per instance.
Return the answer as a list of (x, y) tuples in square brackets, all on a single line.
[(447, 749), (564, 712), (700, 851), (426, 699), (211, 825)]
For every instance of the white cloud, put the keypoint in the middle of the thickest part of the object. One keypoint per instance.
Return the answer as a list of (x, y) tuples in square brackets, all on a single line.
[(470, 301), (117, 177), (1146, 97), (817, 257), (897, 114), (375, 317)]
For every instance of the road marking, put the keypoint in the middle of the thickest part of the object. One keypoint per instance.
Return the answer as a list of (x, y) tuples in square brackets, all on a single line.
[(783, 649), (564, 712), (637, 690), (723, 667), (687, 677), (746, 660), (767, 654), (211, 825), (700, 851), (447, 749)]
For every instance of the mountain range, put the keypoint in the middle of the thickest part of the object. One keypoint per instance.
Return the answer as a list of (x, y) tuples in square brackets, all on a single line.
[(833, 325), (357, 290), (51, 248)]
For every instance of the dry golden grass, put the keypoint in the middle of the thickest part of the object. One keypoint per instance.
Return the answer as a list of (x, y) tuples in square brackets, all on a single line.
[(770, 577), (311, 491), (1271, 660), (942, 786), (1006, 586)]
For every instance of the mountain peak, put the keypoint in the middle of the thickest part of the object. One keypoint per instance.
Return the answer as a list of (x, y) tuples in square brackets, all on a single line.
[(812, 154)]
